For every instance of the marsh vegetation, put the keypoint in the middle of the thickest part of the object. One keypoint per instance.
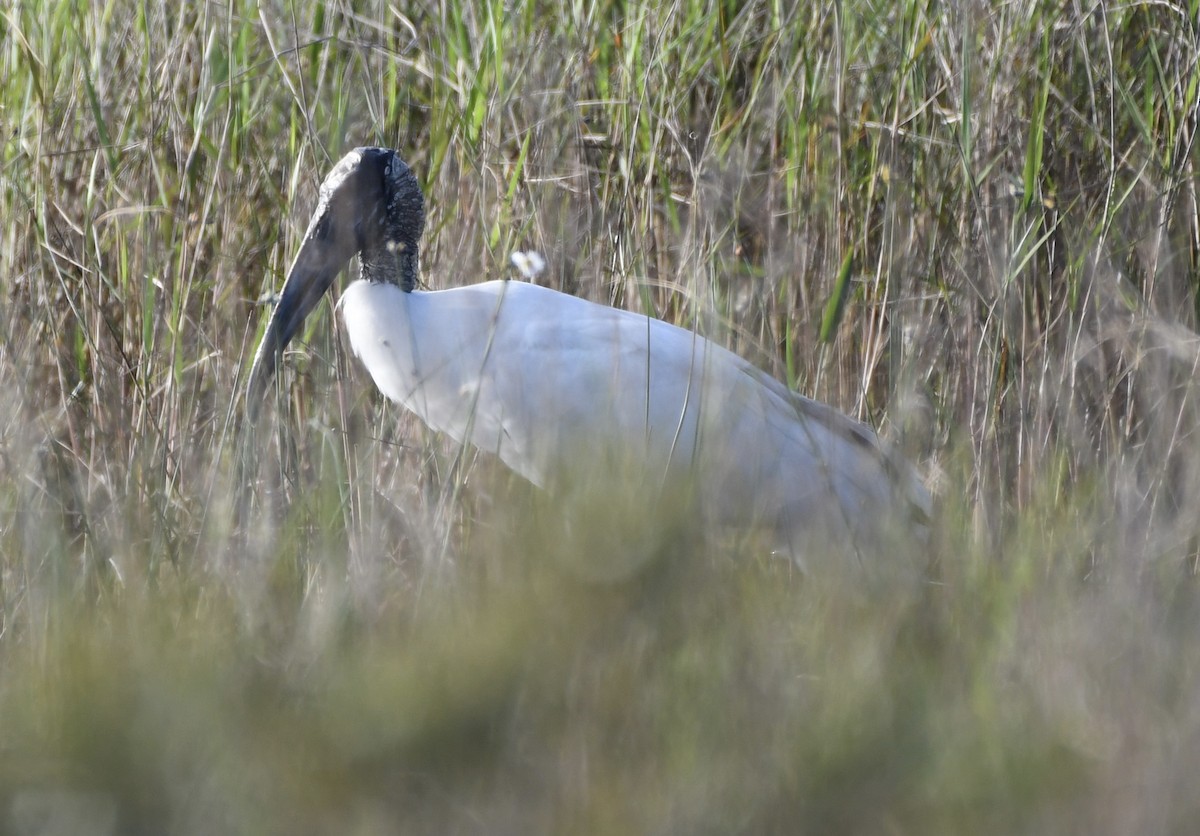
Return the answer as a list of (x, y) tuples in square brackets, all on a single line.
[(972, 225)]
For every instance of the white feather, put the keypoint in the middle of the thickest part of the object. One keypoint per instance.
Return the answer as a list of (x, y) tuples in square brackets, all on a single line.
[(558, 387)]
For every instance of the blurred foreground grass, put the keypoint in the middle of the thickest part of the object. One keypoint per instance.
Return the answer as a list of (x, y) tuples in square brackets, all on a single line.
[(974, 226)]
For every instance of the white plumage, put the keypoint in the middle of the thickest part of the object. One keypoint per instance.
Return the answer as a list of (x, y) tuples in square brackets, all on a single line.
[(560, 388)]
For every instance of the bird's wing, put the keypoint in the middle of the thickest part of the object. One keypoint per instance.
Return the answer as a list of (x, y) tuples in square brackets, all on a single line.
[(877, 462)]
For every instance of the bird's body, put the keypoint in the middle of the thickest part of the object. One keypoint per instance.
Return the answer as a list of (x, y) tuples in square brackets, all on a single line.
[(557, 386), (562, 389)]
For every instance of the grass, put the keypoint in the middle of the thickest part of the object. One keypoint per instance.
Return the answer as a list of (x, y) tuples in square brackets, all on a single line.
[(972, 225)]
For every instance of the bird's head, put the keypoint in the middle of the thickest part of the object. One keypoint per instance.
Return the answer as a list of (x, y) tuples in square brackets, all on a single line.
[(370, 205)]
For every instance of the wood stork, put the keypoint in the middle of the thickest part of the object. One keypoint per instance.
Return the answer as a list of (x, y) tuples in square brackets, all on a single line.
[(555, 385)]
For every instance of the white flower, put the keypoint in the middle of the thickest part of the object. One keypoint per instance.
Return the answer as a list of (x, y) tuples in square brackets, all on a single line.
[(530, 265)]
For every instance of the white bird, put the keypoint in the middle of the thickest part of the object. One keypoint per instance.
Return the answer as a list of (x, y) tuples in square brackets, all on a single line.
[(563, 389)]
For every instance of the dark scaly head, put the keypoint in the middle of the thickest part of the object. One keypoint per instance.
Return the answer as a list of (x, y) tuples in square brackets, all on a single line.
[(370, 205)]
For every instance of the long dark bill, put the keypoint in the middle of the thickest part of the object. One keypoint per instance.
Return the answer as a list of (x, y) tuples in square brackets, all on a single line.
[(316, 266)]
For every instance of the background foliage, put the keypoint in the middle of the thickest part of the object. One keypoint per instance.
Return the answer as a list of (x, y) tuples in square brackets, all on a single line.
[(973, 225)]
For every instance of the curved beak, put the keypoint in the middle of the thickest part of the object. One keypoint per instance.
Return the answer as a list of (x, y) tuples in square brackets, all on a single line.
[(320, 259)]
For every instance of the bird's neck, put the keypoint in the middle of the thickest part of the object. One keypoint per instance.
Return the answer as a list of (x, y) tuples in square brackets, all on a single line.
[(396, 263)]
